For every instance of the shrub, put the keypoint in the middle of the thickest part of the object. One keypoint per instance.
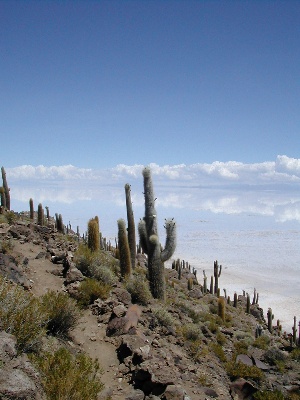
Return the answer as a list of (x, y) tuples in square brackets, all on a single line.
[(163, 317), (62, 312), (83, 258), (219, 352), (139, 290), (102, 273), (240, 370), (66, 377), (21, 315), (262, 342), (90, 289), (267, 395), (191, 332), (274, 355)]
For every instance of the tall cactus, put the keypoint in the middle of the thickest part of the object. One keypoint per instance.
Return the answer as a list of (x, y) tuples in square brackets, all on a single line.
[(150, 242), (93, 234), (31, 208), (131, 225), (40, 220), (217, 274), (6, 188), (124, 251)]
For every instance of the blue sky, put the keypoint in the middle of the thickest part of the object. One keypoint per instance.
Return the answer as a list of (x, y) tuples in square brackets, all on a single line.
[(101, 83)]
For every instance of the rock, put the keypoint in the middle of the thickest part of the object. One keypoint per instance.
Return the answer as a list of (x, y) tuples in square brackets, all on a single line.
[(119, 326), (211, 393), (11, 271), (241, 389), (135, 347), (122, 295), (73, 275), (259, 364), (119, 310), (41, 254), (135, 395), (7, 346), (174, 392), (244, 359)]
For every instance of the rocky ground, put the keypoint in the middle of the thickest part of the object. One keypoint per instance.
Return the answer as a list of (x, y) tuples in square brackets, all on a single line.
[(181, 349)]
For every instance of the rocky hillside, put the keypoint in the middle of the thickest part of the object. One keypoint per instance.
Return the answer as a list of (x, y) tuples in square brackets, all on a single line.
[(194, 345)]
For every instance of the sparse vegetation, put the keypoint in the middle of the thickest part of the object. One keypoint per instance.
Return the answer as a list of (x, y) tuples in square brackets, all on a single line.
[(90, 290), (21, 315), (138, 287), (68, 377), (62, 311)]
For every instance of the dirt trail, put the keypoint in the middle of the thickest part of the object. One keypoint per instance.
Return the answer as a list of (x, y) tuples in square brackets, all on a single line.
[(89, 336)]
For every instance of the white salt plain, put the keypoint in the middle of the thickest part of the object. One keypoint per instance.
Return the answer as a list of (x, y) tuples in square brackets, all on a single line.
[(253, 232)]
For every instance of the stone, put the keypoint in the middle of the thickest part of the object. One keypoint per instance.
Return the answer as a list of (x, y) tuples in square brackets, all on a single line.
[(7, 346), (244, 359), (241, 389), (135, 395), (174, 392), (73, 275)]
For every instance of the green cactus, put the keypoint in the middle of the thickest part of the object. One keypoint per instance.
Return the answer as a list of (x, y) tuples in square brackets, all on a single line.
[(131, 225), (294, 329), (190, 283), (221, 308), (204, 282), (248, 304), (6, 189), (2, 197), (150, 242), (31, 209), (217, 274), (124, 251), (93, 235), (270, 316), (40, 220), (235, 300)]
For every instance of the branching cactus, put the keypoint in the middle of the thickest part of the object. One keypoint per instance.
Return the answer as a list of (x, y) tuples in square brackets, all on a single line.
[(6, 188), (131, 225), (217, 274), (150, 241)]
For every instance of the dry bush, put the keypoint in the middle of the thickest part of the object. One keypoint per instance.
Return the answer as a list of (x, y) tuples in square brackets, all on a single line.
[(21, 315), (90, 289), (63, 313), (138, 287), (68, 377)]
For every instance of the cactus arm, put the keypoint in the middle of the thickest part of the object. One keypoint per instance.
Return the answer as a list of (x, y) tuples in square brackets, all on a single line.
[(170, 245)]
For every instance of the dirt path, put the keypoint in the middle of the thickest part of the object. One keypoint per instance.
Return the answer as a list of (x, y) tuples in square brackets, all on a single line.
[(89, 336)]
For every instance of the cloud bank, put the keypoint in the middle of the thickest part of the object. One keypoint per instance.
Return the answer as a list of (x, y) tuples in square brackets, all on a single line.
[(281, 171), (266, 189)]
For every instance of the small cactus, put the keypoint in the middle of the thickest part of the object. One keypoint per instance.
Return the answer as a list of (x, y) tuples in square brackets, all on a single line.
[(235, 300), (248, 304), (131, 225)]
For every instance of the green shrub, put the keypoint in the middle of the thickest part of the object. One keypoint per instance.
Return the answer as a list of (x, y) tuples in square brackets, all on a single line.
[(241, 347), (267, 395), (262, 342), (163, 317), (273, 355), (83, 258), (102, 273), (191, 332), (65, 377), (240, 370), (21, 315), (139, 290), (90, 289), (63, 313), (219, 352), (295, 354)]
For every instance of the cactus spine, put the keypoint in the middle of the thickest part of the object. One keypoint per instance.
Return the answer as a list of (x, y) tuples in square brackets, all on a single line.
[(150, 242), (124, 251), (6, 189), (93, 235), (131, 225)]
